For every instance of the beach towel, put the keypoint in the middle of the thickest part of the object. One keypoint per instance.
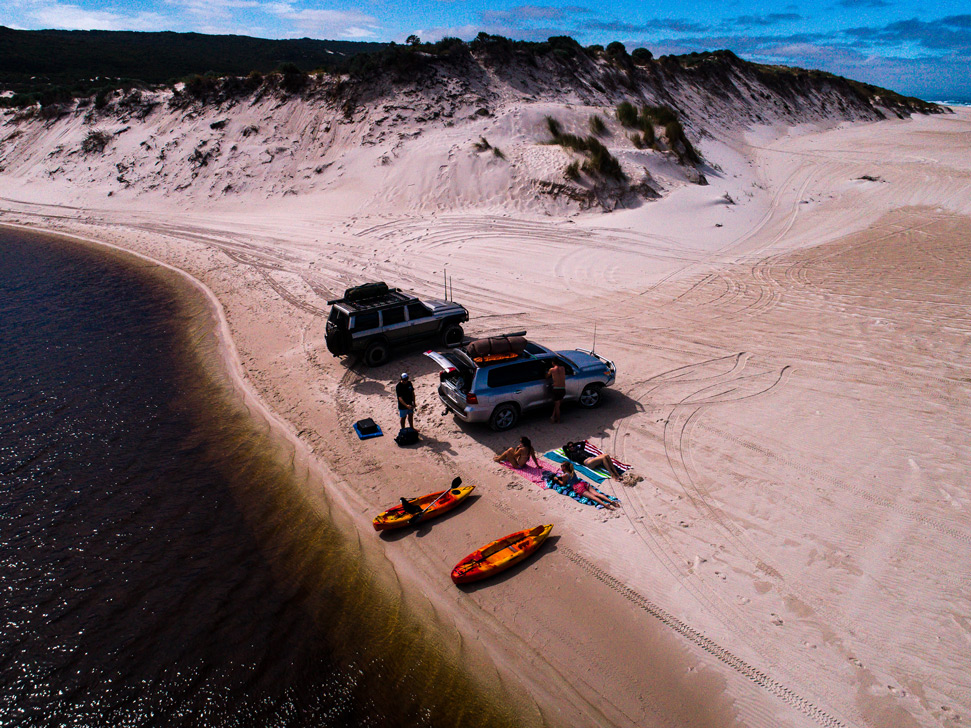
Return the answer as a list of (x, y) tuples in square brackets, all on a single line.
[(531, 473), (598, 476), (570, 493), (366, 435)]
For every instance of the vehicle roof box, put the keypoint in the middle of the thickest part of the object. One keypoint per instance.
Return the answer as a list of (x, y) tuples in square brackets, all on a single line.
[(496, 348)]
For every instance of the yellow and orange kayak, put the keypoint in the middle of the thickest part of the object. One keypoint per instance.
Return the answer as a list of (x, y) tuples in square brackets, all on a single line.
[(432, 504), (500, 554)]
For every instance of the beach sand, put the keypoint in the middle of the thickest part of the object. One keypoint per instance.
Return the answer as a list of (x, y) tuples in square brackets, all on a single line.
[(793, 387)]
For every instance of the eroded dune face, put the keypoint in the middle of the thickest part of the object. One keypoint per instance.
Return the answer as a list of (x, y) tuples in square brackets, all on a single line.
[(530, 134)]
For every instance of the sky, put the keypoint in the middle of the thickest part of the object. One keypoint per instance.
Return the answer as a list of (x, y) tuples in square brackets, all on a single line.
[(921, 49)]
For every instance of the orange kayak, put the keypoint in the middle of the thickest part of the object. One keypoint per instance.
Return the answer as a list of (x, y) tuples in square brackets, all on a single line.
[(433, 504), (500, 554)]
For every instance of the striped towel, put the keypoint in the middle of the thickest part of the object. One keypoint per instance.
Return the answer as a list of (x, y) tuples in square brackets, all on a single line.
[(597, 476)]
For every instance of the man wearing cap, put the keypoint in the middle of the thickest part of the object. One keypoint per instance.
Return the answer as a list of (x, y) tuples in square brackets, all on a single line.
[(405, 392)]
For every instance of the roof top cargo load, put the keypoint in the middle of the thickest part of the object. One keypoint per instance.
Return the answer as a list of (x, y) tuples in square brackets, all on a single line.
[(496, 347)]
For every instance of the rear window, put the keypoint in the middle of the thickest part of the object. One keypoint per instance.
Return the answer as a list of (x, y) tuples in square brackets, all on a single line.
[(338, 318)]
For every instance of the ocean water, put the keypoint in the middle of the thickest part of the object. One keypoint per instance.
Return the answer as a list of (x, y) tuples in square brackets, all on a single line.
[(158, 566)]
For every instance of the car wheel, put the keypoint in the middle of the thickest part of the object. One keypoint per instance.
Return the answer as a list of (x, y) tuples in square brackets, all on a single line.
[(377, 353), (503, 417), (452, 335), (591, 396)]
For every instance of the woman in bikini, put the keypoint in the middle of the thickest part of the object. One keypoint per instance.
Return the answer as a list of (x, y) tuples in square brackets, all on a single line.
[(594, 462), (519, 455), (568, 476)]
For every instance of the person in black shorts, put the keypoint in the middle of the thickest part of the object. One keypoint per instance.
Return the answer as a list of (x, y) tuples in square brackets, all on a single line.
[(405, 392), (557, 376)]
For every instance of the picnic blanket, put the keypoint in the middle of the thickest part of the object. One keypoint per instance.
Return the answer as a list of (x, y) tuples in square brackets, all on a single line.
[(598, 476), (570, 493)]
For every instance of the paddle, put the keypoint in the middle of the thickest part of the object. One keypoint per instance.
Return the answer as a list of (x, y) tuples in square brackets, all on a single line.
[(455, 484)]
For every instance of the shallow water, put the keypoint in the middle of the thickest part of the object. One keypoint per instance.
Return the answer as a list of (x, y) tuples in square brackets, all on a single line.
[(158, 566)]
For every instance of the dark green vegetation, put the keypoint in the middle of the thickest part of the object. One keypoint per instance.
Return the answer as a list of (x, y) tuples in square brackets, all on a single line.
[(644, 123), (598, 162), (54, 66)]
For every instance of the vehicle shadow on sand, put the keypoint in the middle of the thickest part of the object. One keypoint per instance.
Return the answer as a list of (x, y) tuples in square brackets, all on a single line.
[(576, 423)]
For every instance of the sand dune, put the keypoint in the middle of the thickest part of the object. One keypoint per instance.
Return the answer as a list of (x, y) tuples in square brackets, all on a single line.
[(793, 387)]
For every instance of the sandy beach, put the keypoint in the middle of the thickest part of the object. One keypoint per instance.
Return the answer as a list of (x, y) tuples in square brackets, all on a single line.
[(792, 344)]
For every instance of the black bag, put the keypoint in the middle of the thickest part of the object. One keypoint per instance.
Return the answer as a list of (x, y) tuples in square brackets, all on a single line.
[(366, 426), (406, 436), (366, 291), (576, 452)]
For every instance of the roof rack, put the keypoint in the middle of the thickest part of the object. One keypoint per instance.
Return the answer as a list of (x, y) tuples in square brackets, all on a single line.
[(371, 295)]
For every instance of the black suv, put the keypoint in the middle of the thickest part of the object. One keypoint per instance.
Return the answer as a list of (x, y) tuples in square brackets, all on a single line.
[(372, 319)]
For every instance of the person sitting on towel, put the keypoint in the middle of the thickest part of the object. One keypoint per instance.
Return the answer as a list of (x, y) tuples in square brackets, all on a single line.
[(519, 455), (568, 477)]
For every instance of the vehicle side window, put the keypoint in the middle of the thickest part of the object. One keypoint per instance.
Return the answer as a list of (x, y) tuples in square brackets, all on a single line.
[(391, 316), (502, 376), (365, 321), (519, 373), (538, 370), (417, 311)]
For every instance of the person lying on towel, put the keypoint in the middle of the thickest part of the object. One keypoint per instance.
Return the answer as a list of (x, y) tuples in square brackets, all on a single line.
[(568, 477), (576, 452)]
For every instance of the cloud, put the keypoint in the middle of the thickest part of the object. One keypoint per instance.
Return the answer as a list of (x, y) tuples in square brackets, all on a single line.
[(949, 34), (763, 20), (325, 23), (523, 14), (73, 17), (670, 25), (864, 4)]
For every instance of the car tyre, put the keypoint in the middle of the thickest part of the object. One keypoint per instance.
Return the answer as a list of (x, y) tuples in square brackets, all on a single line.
[(504, 417), (591, 396), (452, 335), (377, 353)]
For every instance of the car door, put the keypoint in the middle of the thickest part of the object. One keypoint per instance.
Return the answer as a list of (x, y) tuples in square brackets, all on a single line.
[(421, 323), (523, 382), (393, 324)]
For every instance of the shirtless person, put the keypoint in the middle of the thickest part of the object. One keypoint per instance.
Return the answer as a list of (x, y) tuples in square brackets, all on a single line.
[(557, 375), (518, 456)]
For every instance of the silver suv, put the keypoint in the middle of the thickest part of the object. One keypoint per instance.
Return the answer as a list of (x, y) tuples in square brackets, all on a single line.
[(499, 391)]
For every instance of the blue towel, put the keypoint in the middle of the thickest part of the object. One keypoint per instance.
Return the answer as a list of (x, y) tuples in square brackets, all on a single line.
[(372, 434), (595, 475), (570, 493)]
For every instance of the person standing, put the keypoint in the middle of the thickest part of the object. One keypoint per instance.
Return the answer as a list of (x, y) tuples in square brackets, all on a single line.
[(405, 392), (557, 376)]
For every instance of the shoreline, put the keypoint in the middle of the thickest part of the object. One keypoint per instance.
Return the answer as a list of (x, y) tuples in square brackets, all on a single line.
[(715, 537), (219, 361)]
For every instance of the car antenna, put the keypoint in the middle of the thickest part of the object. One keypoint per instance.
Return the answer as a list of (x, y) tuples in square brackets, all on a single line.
[(594, 337)]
